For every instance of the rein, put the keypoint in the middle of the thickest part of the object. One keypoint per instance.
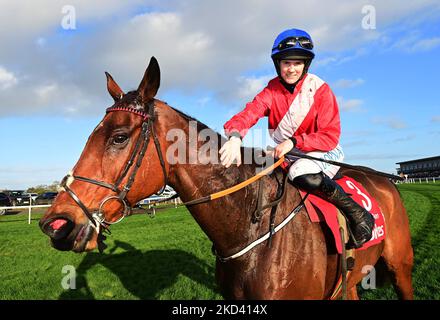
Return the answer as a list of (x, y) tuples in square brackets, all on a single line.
[(295, 153), (223, 193)]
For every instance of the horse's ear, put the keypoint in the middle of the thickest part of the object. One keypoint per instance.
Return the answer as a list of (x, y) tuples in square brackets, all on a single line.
[(150, 82), (113, 88)]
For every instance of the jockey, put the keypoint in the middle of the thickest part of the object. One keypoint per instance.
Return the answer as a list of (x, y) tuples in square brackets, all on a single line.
[(303, 115)]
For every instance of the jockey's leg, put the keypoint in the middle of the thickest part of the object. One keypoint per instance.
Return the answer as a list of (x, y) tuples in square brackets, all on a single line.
[(313, 176)]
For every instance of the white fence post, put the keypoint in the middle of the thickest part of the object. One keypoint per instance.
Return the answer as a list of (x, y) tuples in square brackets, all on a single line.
[(30, 209)]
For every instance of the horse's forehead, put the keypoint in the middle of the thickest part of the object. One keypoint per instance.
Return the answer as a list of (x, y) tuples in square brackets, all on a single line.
[(115, 119), (121, 118)]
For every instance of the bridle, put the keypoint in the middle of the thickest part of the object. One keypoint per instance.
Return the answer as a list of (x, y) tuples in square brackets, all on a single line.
[(97, 217)]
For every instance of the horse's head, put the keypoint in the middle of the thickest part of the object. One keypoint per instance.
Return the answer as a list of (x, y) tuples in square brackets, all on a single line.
[(122, 153)]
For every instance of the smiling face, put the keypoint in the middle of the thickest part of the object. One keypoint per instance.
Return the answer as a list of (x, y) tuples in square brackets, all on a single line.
[(291, 70)]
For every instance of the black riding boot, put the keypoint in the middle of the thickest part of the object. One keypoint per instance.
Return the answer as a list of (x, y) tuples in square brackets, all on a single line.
[(361, 222)]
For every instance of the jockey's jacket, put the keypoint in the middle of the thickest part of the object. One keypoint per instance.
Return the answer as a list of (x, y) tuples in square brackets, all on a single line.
[(310, 114)]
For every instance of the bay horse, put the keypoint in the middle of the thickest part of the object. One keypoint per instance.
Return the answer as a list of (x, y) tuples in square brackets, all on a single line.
[(127, 149)]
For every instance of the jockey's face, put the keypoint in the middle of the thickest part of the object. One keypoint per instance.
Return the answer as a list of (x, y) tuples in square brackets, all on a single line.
[(291, 70)]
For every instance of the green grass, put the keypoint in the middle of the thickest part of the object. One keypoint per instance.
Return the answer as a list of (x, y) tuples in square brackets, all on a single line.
[(169, 257), (422, 202)]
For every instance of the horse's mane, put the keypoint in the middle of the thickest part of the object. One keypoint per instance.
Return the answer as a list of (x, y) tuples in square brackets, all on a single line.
[(130, 99), (190, 118)]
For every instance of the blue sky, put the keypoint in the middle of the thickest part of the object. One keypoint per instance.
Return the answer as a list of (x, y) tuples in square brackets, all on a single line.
[(213, 60)]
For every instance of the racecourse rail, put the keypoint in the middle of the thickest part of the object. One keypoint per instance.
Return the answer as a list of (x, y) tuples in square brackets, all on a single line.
[(29, 207), (420, 180), (146, 201)]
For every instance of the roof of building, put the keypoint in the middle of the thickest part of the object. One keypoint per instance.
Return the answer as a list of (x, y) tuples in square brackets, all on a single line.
[(419, 160)]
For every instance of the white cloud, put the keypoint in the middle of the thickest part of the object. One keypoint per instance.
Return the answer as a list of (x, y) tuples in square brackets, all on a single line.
[(45, 92), (199, 44), (185, 54), (52, 98), (324, 61), (427, 44), (32, 18), (348, 83), (338, 58), (412, 43), (435, 119), (350, 105), (7, 79), (251, 86)]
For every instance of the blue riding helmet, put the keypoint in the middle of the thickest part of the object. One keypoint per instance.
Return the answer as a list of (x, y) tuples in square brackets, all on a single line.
[(294, 44)]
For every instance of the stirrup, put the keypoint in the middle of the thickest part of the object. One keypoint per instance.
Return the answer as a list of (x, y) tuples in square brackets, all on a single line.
[(352, 242)]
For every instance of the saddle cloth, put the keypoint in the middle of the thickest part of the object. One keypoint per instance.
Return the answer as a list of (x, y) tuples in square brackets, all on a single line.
[(320, 210)]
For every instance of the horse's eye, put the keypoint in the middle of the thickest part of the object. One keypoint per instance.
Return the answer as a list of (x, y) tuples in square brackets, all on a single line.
[(120, 138)]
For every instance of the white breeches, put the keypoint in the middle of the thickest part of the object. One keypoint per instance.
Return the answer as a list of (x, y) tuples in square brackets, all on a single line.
[(302, 166)]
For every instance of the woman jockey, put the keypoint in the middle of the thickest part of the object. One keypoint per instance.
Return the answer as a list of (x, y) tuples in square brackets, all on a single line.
[(303, 114)]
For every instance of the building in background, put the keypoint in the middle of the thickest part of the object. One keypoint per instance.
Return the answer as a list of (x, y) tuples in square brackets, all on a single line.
[(420, 168)]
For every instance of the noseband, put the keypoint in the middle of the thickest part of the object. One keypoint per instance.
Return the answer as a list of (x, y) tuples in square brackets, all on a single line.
[(97, 217)]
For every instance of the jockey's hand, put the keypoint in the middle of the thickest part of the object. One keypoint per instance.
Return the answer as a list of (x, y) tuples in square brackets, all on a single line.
[(281, 149), (230, 152)]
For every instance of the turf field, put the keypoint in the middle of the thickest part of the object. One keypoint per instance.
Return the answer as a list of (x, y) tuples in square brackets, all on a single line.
[(169, 257)]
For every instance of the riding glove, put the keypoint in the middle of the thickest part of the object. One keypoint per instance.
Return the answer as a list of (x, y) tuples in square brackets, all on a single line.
[(230, 152)]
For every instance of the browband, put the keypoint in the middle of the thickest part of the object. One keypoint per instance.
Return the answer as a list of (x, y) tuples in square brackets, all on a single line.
[(129, 109)]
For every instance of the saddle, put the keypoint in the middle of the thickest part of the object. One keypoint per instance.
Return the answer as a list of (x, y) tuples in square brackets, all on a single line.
[(320, 210)]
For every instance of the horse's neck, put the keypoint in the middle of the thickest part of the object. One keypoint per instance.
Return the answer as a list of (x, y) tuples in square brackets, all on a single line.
[(226, 221)]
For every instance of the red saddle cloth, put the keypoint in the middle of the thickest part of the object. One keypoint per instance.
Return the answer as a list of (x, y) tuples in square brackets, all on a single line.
[(321, 210)]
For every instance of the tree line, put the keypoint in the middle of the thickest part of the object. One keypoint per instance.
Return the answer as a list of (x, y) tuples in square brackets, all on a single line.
[(44, 188)]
